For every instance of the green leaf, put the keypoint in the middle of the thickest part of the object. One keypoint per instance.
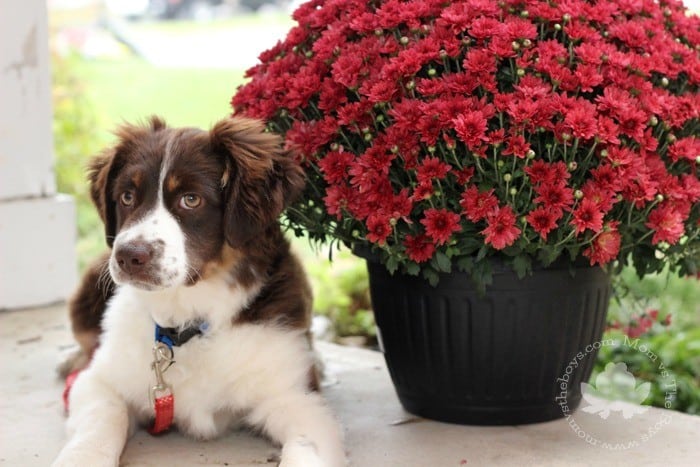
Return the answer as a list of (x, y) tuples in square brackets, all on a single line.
[(443, 263), (392, 264), (465, 263), (412, 269), (522, 265), (482, 253), (431, 276)]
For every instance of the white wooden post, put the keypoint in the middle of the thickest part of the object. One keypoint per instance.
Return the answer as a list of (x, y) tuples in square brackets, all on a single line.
[(37, 225)]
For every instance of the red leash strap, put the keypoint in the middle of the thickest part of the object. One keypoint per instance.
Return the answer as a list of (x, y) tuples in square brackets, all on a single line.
[(164, 405), (70, 379), (165, 408)]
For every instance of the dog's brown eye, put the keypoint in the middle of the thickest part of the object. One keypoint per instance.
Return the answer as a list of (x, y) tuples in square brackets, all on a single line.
[(127, 198), (190, 201)]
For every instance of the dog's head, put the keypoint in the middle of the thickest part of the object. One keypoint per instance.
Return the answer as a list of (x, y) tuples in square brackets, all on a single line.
[(172, 199)]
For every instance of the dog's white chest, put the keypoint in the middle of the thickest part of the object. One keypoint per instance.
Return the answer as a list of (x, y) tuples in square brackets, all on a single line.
[(214, 376)]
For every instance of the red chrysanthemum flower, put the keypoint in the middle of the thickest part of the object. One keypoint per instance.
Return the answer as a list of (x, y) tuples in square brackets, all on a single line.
[(501, 230), (605, 246), (378, 228), (440, 224), (419, 248), (587, 216), (543, 220), (476, 205), (471, 128), (555, 196), (432, 168), (667, 224)]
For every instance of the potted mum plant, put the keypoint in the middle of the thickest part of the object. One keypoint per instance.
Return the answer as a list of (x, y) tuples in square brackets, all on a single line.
[(493, 162)]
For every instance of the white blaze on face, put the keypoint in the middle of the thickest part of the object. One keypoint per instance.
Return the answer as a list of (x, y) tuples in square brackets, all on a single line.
[(160, 230)]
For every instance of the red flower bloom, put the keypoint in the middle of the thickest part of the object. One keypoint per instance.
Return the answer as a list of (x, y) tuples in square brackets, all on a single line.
[(419, 248), (587, 216), (471, 128), (667, 224), (477, 205), (378, 228), (501, 230), (432, 168), (335, 166), (555, 196), (440, 224), (543, 220), (605, 246)]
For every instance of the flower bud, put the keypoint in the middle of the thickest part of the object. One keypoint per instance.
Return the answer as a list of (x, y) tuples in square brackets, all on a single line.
[(309, 53), (659, 197), (557, 27), (513, 191), (523, 220), (653, 121), (566, 17), (671, 138), (507, 177), (578, 194), (530, 154), (667, 12), (392, 222), (443, 53), (365, 129), (527, 43), (355, 234), (334, 146), (431, 149), (664, 82), (697, 160), (394, 149), (565, 136), (500, 164), (572, 166), (515, 45), (520, 72), (403, 40), (432, 71), (604, 153), (410, 85), (524, 14), (368, 137), (378, 32)]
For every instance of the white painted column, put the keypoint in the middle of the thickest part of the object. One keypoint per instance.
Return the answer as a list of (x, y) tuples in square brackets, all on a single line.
[(37, 225)]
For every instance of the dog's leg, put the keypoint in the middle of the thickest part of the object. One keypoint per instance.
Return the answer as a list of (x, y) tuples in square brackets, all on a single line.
[(86, 308), (97, 425), (309, 434)]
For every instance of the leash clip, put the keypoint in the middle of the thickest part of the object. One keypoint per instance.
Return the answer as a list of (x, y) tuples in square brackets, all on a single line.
[(162, 360)]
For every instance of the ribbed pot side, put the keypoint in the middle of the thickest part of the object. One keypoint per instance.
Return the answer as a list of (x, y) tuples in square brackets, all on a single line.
[(459, 357)]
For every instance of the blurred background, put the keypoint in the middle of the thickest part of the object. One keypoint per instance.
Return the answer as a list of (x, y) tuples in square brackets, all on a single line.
[(122, 60)]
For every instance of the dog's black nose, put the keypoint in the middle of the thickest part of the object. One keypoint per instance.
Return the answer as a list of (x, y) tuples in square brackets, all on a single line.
[(133, 257)]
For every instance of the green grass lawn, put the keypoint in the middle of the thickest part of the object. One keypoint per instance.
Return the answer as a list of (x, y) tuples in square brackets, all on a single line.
[(131, 90)]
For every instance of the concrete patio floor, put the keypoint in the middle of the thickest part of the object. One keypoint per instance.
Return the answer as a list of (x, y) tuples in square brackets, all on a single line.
[(378, 432)]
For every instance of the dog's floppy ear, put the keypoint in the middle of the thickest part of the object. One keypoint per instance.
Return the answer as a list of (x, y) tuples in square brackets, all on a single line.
[(262, 177), (103, 168), (100, 174)]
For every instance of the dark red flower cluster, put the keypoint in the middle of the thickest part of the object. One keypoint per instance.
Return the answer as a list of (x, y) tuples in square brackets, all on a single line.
[(640, 324), (523, 128)]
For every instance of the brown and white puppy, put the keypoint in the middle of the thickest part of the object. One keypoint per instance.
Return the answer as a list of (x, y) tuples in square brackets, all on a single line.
[(191, 219)]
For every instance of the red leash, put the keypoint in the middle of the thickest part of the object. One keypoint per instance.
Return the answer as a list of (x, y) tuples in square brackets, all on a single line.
[(164, 405)]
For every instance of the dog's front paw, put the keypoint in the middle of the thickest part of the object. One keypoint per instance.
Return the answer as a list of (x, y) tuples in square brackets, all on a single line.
[(300, 453), (82, 456), (304, 453)]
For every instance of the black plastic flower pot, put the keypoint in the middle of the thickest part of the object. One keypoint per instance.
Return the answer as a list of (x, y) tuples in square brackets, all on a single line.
[(494, 359)]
